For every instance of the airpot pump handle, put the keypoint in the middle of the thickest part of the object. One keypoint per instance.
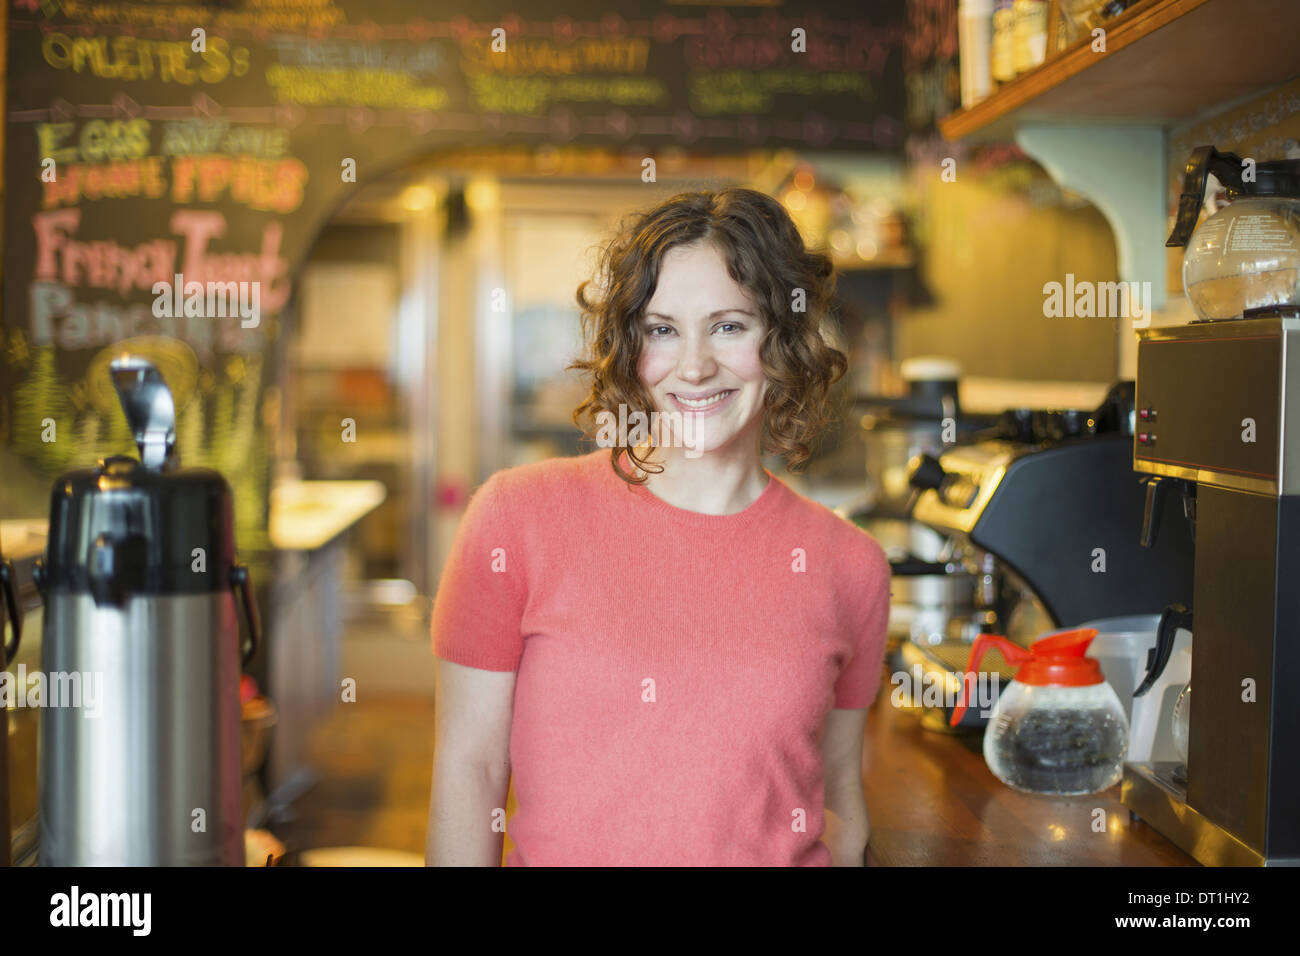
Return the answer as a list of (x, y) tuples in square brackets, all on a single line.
[(149, 409)]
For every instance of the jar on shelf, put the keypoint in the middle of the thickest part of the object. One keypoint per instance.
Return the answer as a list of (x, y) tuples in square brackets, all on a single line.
[(1029, 34), (1004, 21)]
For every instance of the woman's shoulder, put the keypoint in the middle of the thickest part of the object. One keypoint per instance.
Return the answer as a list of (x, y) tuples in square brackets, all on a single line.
[(844, 536), (547, 483)]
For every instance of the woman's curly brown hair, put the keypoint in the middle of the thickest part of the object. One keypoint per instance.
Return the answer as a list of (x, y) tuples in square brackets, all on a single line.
[(766, 256)]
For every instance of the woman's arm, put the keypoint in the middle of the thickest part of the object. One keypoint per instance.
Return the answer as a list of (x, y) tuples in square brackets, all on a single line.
[(847, 826), (471, 765)]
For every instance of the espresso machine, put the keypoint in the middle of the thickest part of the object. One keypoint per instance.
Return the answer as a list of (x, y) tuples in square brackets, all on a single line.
[(1218, 402), (936, 590), (1052, 496)]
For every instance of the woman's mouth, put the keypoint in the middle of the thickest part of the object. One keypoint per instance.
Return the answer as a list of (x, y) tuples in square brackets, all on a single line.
[(703, 402)]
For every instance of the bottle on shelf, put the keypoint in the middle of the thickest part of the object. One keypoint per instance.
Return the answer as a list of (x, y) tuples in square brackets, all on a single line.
[(975, 39), (1004, 65), (1029, 34)]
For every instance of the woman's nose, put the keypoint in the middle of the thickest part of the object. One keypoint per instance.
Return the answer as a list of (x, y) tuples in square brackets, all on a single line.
[(696, 361)]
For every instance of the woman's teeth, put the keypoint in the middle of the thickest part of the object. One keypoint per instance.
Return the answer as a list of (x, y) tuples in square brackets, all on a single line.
[(703, 402)]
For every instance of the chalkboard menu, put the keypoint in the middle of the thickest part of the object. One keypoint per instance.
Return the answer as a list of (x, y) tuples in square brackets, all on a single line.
[(167, 166)]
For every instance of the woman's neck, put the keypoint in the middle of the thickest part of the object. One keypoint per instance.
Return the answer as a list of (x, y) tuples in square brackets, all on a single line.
[(723, 482)]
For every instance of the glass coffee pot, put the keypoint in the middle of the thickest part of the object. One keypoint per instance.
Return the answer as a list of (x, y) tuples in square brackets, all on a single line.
[(1059, 728), (1243, 261)]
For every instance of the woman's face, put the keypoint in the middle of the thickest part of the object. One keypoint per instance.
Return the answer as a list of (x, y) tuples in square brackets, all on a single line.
[(700, 350)]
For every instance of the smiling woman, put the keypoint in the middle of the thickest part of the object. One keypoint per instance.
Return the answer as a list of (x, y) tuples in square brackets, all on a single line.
[(713, 278), (716, 718)]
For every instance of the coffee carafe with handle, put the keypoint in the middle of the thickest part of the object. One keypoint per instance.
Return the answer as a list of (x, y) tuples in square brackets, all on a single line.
[(1243, 260), (1059, 727)]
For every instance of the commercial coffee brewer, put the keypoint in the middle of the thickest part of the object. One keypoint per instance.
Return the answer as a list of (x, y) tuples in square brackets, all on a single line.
[(1219, 406), (1218, 419)]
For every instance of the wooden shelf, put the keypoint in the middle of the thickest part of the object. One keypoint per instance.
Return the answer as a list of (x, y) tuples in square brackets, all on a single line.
[(1165, 60)]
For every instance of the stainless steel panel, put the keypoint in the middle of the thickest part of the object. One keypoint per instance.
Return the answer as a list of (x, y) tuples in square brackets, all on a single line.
[(1202, 381), (121, 788), (1150, 794)]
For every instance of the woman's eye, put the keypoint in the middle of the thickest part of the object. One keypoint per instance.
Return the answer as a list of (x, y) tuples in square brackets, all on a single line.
[(655, 329), (730, 325)]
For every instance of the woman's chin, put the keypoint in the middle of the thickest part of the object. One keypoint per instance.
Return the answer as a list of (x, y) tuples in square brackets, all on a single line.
[(707, 442), (706, 437)]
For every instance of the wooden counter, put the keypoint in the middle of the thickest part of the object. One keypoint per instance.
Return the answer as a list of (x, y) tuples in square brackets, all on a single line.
[(933, 802)]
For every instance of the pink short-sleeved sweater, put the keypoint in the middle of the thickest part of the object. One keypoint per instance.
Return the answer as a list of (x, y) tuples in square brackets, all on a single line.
[(675, 669)]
